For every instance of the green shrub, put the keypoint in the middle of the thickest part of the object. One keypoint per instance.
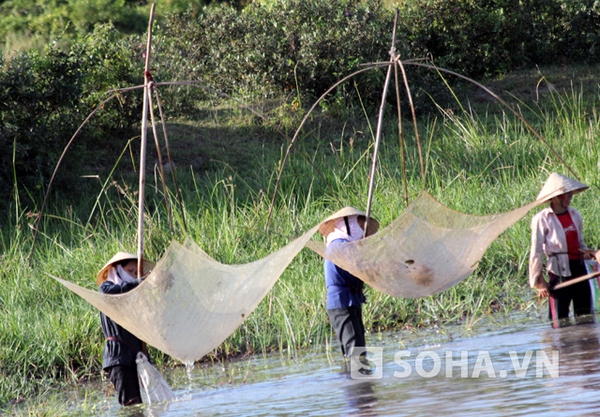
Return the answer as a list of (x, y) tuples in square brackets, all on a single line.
[(293, 46), (487, 38), (44, 98), (39, 102)]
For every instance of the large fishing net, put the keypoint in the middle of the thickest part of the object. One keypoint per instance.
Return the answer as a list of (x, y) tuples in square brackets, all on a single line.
[(190, 303), (426, 250)]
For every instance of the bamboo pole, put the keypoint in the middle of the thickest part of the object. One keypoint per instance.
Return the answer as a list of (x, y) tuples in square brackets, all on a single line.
[(576, 280), (401, 135), (414, 119), (161, 170), (379, 126), (174, 176), (142, 185)]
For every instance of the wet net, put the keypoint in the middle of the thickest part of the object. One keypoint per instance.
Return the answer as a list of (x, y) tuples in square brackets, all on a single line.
[(156, 388), (426, 250), (190, 303)]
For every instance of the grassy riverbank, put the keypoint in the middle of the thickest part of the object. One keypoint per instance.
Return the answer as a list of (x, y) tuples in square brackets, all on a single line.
[(479, 162)]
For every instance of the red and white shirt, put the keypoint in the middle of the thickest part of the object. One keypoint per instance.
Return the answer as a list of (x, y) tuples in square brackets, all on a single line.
[(548, 237)]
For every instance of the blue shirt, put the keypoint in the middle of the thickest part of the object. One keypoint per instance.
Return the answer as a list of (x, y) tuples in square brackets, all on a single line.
[(343, 288)]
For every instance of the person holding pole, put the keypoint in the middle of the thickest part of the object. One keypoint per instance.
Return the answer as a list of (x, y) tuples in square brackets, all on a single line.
[(345, 291), (119, 276), (557, 234)]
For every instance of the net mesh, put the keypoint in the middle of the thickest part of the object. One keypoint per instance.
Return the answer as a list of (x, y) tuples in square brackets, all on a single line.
[(426, 250), (190, 303)]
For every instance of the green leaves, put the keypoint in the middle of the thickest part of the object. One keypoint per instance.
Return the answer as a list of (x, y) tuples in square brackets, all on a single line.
[(45, 96), (492, 37), (291, 45)]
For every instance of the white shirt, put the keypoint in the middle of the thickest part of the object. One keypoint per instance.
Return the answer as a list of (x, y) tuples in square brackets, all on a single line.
[(548, 238)]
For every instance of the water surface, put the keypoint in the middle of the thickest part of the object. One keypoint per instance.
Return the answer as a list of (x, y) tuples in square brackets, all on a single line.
[(502, 369)]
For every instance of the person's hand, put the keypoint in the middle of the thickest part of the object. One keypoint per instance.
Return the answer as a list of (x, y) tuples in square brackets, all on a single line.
[(543, 289), (597, 255), (589, 253)]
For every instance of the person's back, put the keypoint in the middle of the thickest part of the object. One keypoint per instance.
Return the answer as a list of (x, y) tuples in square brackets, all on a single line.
[(119, 276), (121, 346)]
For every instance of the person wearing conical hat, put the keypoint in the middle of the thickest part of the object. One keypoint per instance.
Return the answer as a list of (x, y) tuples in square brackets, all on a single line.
[(345, 291), (557, 235), (119, 276)]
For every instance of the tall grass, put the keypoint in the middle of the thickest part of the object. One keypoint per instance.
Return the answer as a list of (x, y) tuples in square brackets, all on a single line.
[(478, 164)]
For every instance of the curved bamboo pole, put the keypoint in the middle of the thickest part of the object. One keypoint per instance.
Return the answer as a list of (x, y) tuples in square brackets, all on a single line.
[(293, 140), (491, 93)]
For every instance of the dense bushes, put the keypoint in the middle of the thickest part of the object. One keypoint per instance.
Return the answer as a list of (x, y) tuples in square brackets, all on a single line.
[(295, 47), (304, 47), (287, 47), (38, 102), (44, 97), (486, 38)]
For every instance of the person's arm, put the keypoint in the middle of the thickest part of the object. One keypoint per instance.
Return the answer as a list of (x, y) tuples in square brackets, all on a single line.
[(109, 287), (536, 257)]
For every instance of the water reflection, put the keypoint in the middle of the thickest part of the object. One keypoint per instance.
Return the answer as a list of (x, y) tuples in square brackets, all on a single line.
[(360, 397), (578, 347), (576, 388)]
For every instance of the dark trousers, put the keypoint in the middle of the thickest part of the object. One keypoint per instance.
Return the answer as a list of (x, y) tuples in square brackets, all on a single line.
[(348, 326), (580, 294), (125, 381)]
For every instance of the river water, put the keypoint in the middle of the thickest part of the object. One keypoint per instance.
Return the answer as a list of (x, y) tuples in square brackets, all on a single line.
[(520, 367)]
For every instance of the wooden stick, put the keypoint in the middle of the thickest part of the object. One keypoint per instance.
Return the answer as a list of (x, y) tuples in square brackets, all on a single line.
[(164, 128), (379, 127), (142, 185), (553, 311), (576, 280), (161, 169), (401, 136)]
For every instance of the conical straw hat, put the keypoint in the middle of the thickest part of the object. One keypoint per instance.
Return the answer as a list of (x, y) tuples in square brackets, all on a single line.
[(557, 184), (121, 256), (329, 223)]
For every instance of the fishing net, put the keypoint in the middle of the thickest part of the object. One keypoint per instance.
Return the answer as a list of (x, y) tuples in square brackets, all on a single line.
[(190, 303), (156, 388), (426, 250)]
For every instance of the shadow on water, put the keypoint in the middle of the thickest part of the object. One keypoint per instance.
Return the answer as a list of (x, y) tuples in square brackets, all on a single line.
[(507, 369)]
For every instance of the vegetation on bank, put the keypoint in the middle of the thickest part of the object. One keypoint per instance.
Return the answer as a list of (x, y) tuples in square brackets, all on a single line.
[(476, 162), (289, 50)]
